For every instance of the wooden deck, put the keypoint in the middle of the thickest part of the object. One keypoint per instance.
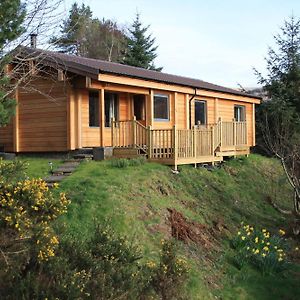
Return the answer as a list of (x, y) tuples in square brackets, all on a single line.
[(202, 144)]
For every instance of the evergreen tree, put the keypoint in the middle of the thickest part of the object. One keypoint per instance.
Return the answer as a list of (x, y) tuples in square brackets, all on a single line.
[(279, 116), (73, 31), (141, 51), (11, 18), (83, 35)]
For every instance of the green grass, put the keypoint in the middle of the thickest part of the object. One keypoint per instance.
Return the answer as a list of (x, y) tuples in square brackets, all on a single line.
[(38, 167), (135, 200)]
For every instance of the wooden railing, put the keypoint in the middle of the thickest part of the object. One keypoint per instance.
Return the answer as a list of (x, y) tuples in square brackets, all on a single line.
[(176, 144), (129, 134)]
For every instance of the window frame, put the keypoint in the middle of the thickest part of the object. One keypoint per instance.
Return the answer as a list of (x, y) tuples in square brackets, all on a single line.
[(168, 108), (243, 114), (205, 111), (96, 99)]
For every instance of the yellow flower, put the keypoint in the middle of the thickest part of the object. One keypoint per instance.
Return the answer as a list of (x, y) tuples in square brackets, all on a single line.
[(264, 255), (256, 240), (281, 232), (280, 259), (264, 230), (265, 248), (239, 233), (243, 238), (296, 249)]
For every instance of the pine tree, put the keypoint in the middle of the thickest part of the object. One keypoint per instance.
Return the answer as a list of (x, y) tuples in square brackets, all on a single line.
[(279, 117), (83, 35), (73, 31), (141, 51), (11, 18)]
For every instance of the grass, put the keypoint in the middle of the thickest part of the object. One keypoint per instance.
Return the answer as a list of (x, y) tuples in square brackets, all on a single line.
[(135, 200), (38, 167)]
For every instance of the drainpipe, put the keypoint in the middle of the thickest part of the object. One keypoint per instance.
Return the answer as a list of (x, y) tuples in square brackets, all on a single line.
[(190, 107)]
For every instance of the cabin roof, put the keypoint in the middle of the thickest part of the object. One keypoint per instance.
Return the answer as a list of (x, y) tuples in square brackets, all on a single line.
[(93, 67)]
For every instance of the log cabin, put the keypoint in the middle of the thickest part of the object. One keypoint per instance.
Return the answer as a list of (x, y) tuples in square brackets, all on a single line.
[(70, 102)]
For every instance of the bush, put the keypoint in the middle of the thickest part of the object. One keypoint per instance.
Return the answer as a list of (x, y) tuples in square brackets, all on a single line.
[(27, 209), (168, 277), (261, 249), (124, 162)]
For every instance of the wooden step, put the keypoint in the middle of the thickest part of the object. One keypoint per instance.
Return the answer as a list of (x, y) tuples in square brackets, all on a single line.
[(127, 152)]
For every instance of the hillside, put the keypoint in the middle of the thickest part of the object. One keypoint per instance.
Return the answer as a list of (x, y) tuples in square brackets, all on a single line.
[(137, 201)]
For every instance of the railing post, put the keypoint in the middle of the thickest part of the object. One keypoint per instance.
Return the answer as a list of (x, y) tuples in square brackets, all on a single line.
[(149, 141), (175, 146), (112, 131), (195, 142), (134, 131), (234, 132), (212, 141), (221, 132)]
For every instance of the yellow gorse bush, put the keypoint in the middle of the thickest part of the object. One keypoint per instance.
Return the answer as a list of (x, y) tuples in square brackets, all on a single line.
[(27, 209)]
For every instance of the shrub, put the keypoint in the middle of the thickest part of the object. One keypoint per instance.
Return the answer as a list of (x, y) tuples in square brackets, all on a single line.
[(27, 209), (260, 248), (168, 277), (120, 163), (124, 162)]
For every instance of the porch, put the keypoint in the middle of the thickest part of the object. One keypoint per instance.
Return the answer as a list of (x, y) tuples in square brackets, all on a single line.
[(202, 144)]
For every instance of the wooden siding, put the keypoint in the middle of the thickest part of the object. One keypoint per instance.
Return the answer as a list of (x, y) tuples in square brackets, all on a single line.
[(7, 137), (43, 117)]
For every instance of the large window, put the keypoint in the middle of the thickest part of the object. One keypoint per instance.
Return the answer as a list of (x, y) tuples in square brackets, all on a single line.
[(161, 107), (239, 113), (94, 113), (111, 107), (200, 112)]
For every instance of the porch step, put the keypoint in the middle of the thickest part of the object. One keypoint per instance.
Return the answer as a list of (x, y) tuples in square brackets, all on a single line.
[(83, 156), (127, 152), (232, 153)]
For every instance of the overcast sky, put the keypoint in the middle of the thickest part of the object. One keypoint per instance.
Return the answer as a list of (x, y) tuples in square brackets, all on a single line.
[(219, 41)]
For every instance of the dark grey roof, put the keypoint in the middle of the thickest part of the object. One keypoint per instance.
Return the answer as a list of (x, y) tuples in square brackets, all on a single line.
[(94, 67)]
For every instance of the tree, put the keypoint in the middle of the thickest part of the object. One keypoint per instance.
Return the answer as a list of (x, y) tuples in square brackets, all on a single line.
[(73, 31), (279, 116), (83, 35), (11, 19), (140, 51)]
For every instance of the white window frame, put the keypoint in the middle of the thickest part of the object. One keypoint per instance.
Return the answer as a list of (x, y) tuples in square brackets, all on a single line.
[(168, 107)]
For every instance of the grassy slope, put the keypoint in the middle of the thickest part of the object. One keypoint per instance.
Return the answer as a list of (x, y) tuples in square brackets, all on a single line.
[(135, 199)]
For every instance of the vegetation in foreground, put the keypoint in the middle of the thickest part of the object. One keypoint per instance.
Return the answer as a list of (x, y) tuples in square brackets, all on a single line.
[(170, 236)]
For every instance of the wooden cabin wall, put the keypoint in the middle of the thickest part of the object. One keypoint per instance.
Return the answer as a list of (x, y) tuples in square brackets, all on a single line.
[(7, 137), (43, 116)]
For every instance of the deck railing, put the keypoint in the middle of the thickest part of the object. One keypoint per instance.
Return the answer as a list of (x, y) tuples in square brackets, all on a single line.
[(179, 144)]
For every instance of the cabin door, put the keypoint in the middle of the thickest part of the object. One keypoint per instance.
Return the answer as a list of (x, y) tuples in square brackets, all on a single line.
[(139, 108)]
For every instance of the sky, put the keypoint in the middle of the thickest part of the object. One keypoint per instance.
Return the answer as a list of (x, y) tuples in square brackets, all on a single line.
[(219, 41)]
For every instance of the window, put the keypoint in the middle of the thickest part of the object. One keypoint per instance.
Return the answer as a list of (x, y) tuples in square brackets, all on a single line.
[(111, 107), (200, 112), (161, 107), (94, 113), (239, 113)]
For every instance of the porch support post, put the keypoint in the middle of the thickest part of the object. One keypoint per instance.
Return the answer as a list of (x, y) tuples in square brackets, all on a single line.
[(216, 110), (175, 108), (79, 124), (221, 133), (16, 124), (187, 114), (102, 116), (134, 132), (253, 127), (150, 110)]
